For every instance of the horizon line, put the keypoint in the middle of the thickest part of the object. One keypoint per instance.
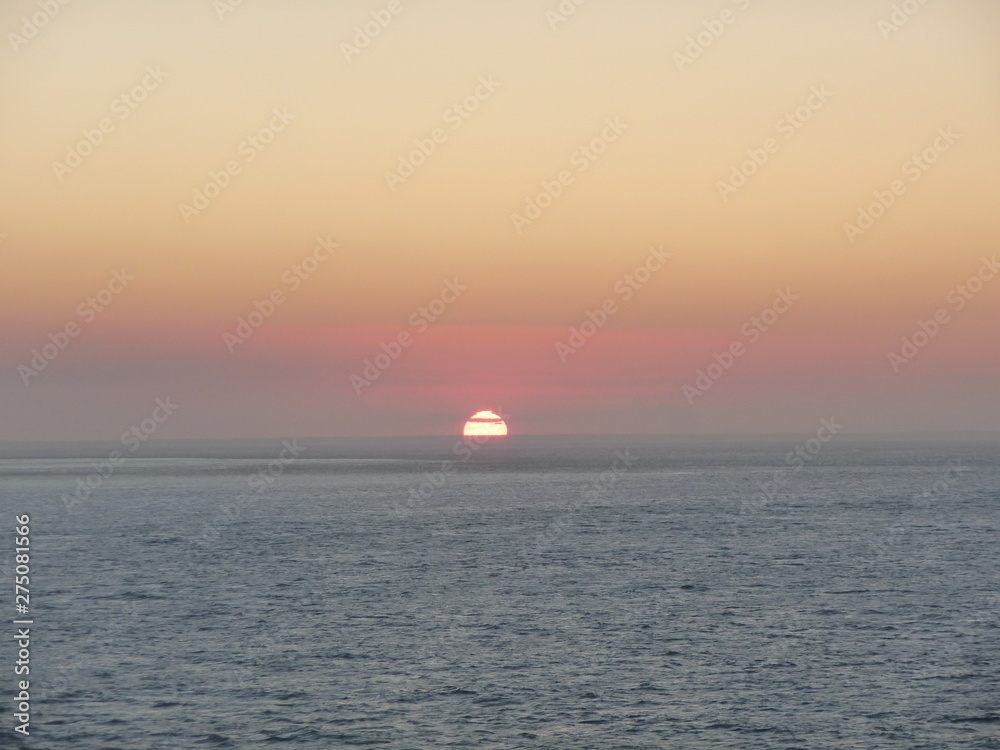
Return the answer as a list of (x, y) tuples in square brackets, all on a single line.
[(914, 435)]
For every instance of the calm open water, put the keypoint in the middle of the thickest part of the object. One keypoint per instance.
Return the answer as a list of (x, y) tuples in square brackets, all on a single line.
[(660, 601)]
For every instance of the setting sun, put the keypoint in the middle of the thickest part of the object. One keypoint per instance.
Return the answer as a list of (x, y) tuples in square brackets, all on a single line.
[(485, 424)]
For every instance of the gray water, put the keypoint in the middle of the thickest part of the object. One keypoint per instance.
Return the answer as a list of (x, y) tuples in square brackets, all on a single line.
[(532, 601)]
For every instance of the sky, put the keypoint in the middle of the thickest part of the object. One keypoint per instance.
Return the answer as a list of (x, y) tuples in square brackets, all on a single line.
[(376, 218)]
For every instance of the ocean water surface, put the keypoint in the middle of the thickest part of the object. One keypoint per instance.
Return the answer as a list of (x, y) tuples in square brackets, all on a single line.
[(632, 594)]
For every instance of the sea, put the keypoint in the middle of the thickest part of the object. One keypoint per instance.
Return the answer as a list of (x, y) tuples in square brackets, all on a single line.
[(533, 592)]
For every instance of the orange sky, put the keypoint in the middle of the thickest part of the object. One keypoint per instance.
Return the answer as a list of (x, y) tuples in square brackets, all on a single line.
[(497, 105)]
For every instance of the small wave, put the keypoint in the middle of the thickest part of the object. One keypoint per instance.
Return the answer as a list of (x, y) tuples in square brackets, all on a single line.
[(129, 596), (292, 696), (215, 739), (458, 691)]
